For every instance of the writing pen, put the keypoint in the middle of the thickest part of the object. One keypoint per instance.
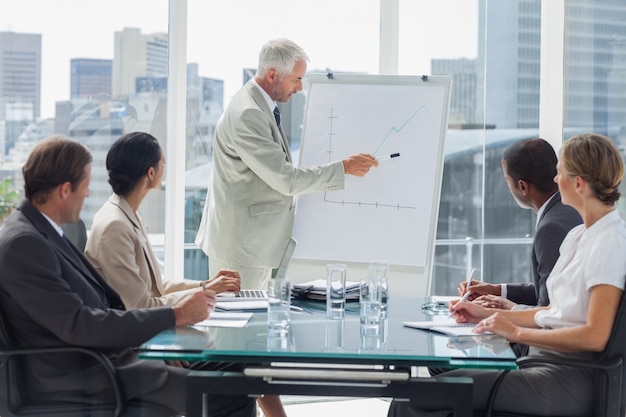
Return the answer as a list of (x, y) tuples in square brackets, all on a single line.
[(384, 157), (467, 292)]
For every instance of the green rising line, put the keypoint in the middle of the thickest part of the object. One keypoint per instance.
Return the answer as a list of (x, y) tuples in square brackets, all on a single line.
[(397, 130)]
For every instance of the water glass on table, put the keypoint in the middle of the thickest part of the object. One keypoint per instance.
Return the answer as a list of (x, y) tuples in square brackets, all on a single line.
[(334, 337), (336, 291), (279, 300), (379, 272), (370, 315)]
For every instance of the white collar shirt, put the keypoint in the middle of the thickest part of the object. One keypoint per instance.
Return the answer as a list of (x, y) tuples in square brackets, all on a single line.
[(543, 208), (589, 257), (53, 224)]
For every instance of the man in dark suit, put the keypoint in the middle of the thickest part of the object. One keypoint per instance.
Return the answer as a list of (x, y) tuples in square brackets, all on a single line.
[(51, 296), (529, 168)]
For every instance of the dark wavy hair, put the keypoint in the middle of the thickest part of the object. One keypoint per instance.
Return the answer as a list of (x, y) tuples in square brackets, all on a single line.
[(129, 159)]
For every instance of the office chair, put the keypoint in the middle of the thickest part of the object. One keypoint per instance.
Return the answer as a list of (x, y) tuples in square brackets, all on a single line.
[(15, 401), (609, 396)]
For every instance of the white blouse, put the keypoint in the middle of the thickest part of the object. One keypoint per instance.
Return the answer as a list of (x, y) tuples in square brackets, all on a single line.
[(588, 257)]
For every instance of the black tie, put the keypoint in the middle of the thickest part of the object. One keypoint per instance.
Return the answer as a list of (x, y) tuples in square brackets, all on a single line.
[(67, 240), (277, 115)]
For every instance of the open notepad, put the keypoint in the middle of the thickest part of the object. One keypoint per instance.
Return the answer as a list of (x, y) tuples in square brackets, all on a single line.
[(448, 327), (225, 319), (241, 305)]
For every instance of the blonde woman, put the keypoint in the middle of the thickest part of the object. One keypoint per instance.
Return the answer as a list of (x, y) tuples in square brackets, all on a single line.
[(585, 289)]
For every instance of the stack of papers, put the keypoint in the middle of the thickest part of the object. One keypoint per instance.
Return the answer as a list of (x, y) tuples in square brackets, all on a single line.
[(225, 319), (449, 327), (316, 290)]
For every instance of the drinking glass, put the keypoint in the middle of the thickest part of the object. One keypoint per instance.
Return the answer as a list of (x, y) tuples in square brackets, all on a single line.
[(370, 314), (336, 291), (278, 307), (379, 272)]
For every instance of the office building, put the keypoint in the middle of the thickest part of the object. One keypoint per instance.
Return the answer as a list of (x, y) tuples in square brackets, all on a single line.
[(20, 70), (595, 51), (89, 77), (20, 83), (137, 55), (463, 93)]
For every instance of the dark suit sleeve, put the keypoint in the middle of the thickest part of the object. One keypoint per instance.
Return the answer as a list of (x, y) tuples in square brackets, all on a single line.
[(546, 246), (50, 296), (522, 293)]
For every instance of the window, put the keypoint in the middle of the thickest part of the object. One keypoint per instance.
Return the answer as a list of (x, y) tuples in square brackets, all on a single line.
[(95, 88)]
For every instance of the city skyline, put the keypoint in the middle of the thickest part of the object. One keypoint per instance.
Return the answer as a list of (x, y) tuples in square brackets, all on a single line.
[(94, 37)]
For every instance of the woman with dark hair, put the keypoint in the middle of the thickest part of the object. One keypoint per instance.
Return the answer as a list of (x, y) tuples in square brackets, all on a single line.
[(585, 289), (118, 245)]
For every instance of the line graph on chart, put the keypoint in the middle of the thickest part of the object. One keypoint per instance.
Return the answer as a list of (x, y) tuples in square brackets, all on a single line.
[(390, 211), (391, 142)]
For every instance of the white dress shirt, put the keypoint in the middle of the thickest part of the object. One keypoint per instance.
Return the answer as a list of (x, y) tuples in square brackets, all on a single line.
[(589, 257)]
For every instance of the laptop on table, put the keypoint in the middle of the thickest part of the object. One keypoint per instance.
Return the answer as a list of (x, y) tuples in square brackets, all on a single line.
[(261, 294)]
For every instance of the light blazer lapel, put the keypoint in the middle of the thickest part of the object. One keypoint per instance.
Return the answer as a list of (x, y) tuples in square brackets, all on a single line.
[(260, 101), (123, 205)]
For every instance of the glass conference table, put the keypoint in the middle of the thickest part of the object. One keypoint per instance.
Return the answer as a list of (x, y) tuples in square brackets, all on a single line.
[(323, 357)]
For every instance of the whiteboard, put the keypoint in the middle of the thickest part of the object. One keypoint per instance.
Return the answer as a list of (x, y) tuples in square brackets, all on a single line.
[(391, 213)]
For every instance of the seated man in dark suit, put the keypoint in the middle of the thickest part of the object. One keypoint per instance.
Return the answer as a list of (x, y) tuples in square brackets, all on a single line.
[(529, 168), (51, 296)]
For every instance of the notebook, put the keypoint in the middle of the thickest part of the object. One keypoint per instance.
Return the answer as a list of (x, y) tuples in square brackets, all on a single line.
[(258, 304), (447, 327), (225, 319), (259, 294)]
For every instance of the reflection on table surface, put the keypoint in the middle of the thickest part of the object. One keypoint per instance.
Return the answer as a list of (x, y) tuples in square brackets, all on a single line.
[(314, 338)]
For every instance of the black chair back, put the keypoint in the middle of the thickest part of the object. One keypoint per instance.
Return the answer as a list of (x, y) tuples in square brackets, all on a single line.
[(9, 365), (610, 388), (16, 402), (609, 396)]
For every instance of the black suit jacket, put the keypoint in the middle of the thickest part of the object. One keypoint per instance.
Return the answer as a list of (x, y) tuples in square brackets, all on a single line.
[(555, 223), (52, 296)]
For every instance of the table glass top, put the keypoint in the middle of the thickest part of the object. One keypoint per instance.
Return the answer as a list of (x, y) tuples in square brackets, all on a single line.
[(313, 338)]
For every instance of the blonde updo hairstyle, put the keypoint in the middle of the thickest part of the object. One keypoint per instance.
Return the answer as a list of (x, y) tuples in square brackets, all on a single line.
[(595, 158)]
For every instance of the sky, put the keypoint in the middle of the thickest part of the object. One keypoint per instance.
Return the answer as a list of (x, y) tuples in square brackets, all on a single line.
[(225, 36)]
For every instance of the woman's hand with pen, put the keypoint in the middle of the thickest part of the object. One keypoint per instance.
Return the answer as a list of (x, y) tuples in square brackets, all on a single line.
[(467, 312), (486, 319)]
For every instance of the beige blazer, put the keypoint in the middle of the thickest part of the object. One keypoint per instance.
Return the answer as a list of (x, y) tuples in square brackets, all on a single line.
[(119, 249), (249, 211)]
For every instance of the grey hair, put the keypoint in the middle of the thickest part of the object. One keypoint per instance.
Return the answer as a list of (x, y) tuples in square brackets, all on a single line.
[(279, 55)]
